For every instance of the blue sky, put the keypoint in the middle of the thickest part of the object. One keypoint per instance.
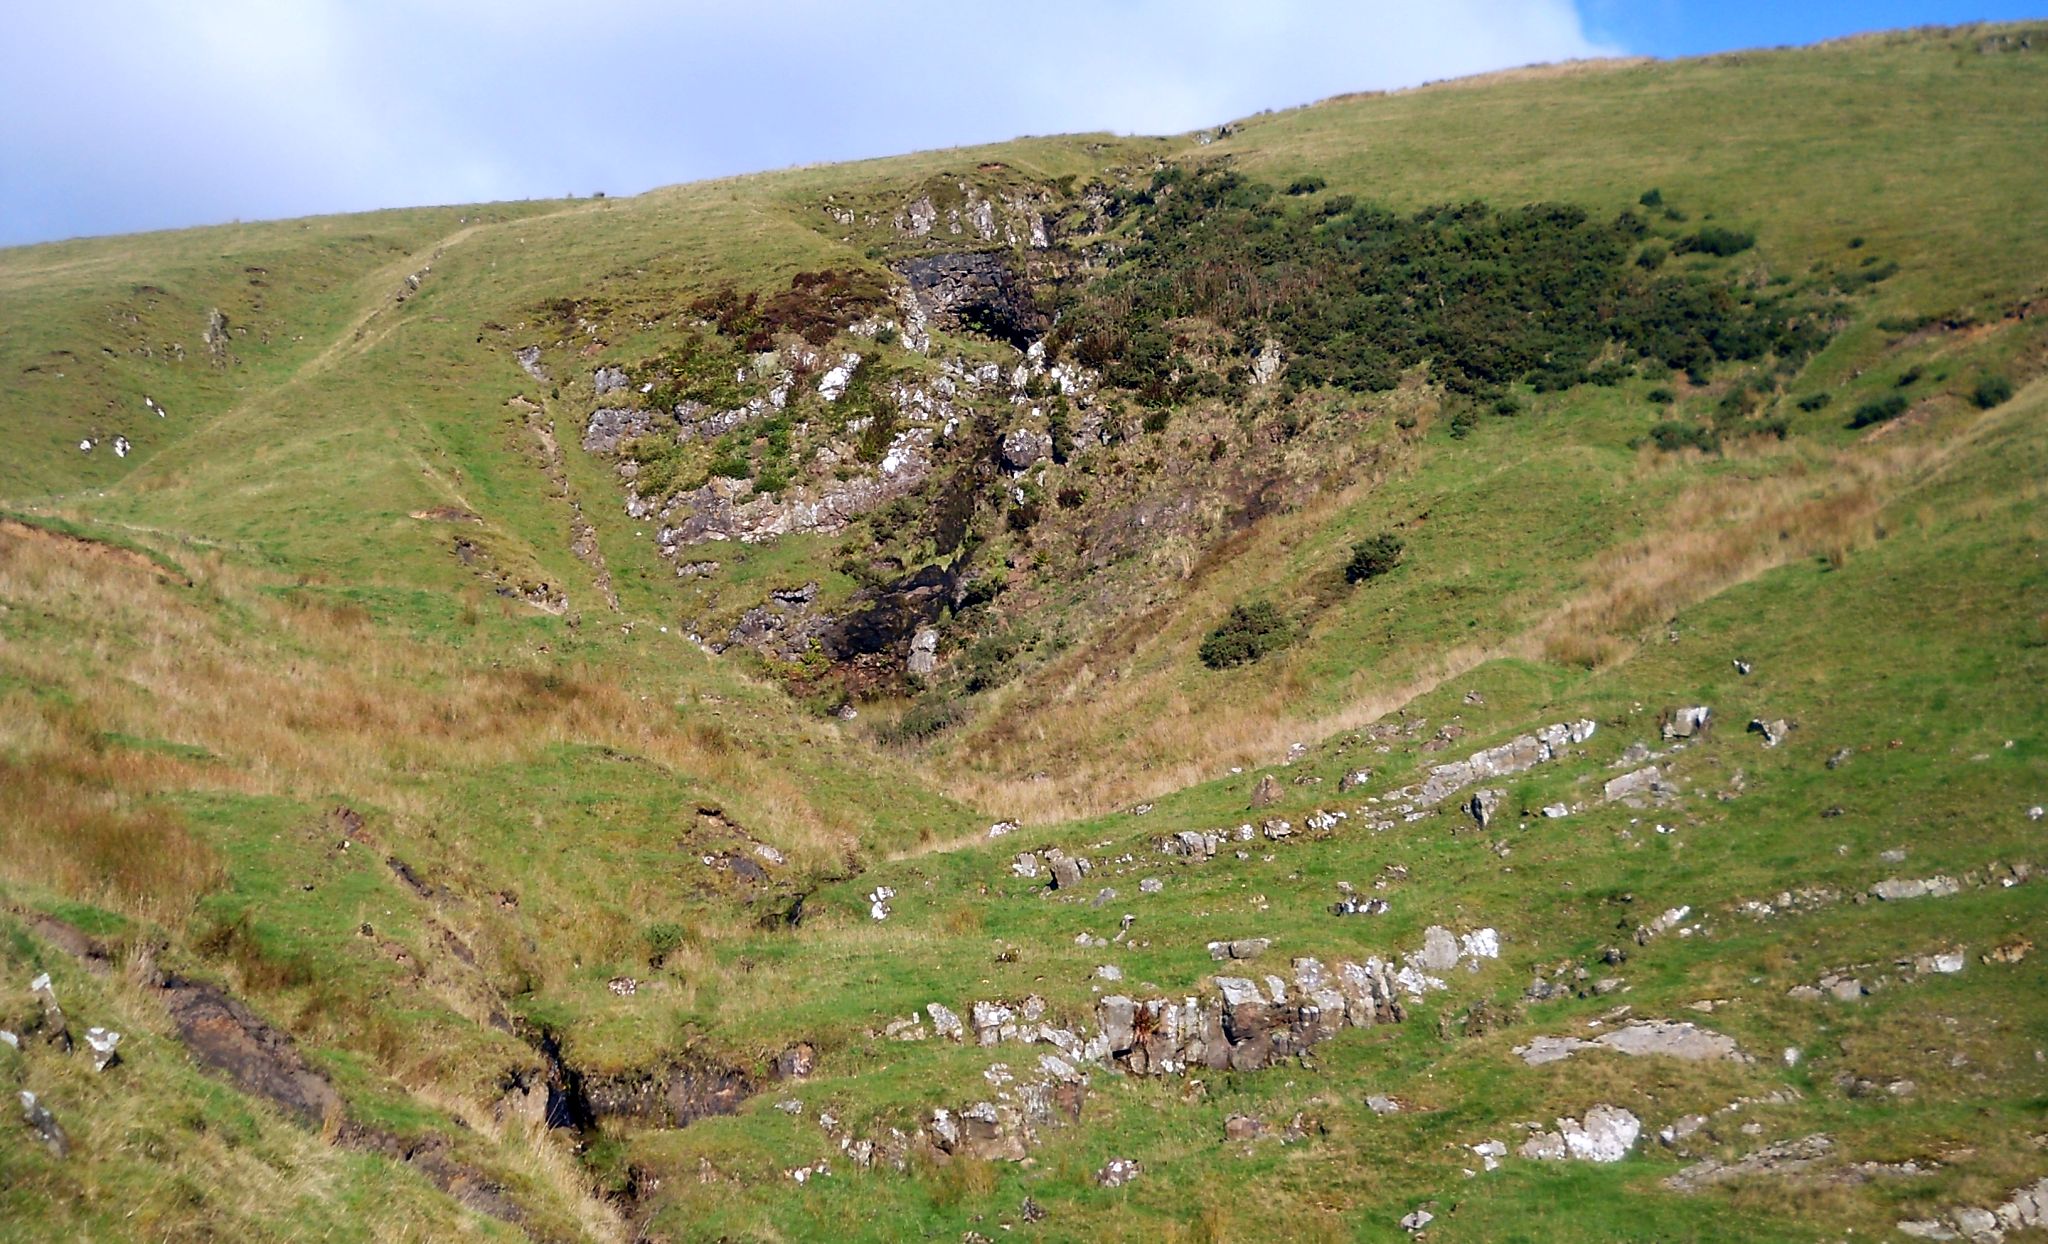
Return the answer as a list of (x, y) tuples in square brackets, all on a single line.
[(125, 115)]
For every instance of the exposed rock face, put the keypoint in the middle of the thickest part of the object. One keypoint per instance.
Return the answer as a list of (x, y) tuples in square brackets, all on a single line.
[(1266, 367), (529, 362), (1895, 889), (1782, 1158), (1024, 448), (1636, 787), (1514, 756), (924, 649), (1607, 1135), (675, 1096), (610, 428), (606, 380), (975, 291), (44, 1124), (1687, 722), (229, 1037), (1649, 1037), (726, 509)]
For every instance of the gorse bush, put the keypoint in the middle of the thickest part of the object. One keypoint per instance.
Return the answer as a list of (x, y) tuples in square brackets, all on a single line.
[(1672, 436), (1485, 297), (1373, 557), (1991, 391), (1715, 240), (1879, 410), (1251, 631)]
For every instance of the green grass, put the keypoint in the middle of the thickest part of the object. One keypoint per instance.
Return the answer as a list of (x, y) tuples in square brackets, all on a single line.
[(557, 782)]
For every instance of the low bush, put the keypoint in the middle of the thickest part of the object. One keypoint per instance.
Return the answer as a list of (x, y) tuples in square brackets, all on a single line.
[(1991, 391), (1373, 557), (1716, 240), (1251, 631), (1672, 436), (1815, 401), (1879, 410)]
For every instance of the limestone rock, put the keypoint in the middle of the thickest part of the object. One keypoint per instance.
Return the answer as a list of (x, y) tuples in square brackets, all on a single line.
[(1267, 792), (1024, 448), (924, 648), (1118, 1172), (1687, 722), (44, 1124), (1485, 804)]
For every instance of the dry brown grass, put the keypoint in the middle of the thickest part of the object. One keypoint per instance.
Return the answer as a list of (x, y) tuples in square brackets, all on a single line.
[(135, 687), (1716, 534)]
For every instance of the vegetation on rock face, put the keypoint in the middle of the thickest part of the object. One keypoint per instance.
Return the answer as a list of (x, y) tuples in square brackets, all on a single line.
[(1359, 294)]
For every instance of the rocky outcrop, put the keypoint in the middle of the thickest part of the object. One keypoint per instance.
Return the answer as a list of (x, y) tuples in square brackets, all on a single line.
[(1517, 755), (1607, 1135), (261, 1060), (1685, 1041), (974, 292)]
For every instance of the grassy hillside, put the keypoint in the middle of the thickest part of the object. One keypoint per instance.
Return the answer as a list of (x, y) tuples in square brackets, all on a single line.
[(474, 744)]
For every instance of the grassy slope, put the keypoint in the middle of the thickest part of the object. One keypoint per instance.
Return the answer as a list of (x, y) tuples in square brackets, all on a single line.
[(289, 480)]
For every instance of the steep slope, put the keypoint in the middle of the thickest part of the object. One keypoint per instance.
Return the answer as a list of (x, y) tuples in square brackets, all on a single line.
[(514, 744)]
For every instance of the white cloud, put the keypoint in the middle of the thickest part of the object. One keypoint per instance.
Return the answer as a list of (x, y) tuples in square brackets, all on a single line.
[(151, 113)]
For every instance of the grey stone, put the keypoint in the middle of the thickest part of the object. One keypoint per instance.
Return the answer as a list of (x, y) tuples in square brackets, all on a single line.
[(945, 1021), (1774, 731), (924, 648), (1485, 804), (1687, 722), (1024, 448), (1895, 889), (1439, 951), (1642, 784), (44, 1124), (1267, 792)]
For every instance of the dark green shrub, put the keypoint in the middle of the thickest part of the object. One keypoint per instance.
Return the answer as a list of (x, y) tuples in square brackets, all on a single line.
[(1662, 397), (1815, 401), (1307, 185), (1909, 376), (1461, 425), (1991, 391), (926, 720), (1716, 240), (1652, 198), (664, 940), (1250, 632), (1672, 436), (1373, 557), (1881, 410)]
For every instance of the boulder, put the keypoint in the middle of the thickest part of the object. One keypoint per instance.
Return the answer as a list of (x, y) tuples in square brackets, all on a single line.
[(1243, 1127), (1267, 792), (1484, 804), (44, 1124), (1024, 448), (1684, 723), (797, 1062), (1118, 1172), (1774, 731), (1643, 783), (945, 1022), (1439, 951), (924, 650)]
